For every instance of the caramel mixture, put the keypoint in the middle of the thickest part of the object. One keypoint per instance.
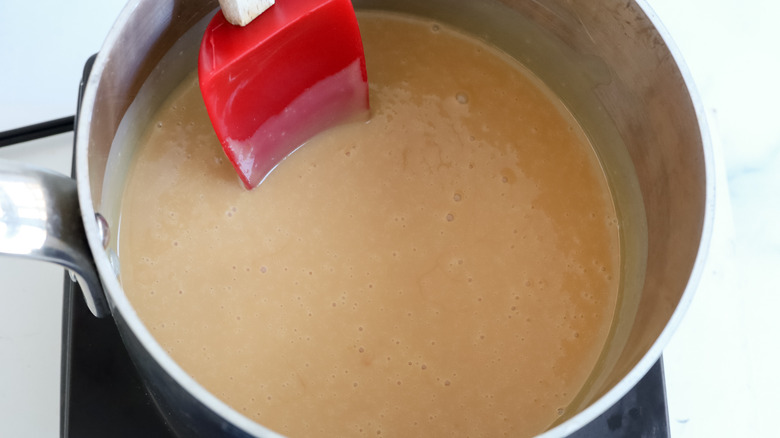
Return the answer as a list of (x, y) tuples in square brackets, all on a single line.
[(449, 268)]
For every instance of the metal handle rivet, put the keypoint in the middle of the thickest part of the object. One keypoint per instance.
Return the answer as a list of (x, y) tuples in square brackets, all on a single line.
[(103, 231)]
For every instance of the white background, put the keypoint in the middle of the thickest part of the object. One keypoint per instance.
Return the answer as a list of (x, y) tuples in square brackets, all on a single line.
[(722, 364)]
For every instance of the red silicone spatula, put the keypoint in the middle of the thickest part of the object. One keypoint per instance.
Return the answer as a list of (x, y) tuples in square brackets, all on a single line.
[(295, 70)]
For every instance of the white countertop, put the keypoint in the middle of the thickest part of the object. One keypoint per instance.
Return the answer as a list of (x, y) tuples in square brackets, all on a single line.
[(721, 365)]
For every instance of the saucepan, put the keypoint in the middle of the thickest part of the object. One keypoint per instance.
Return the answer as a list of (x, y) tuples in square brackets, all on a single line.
[(608, 60)]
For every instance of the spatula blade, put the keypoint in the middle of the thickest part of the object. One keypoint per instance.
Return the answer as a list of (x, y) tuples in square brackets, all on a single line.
[(269, 86)]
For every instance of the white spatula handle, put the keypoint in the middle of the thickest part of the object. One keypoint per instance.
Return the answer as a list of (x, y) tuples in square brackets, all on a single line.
[(241, 12)]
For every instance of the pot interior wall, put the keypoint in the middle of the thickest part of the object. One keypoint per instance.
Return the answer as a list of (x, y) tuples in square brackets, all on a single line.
[(604, 59)]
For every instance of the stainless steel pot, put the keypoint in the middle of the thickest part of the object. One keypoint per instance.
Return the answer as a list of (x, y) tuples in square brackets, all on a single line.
[(609, 62)]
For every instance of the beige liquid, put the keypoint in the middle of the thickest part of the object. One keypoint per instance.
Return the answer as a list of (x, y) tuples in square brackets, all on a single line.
[(449, 268)]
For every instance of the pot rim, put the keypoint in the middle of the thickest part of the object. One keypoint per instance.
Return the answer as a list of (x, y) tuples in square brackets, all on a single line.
[(119, 303)]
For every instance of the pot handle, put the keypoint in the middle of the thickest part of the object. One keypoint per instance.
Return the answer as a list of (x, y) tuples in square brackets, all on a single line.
[(40, 219)]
